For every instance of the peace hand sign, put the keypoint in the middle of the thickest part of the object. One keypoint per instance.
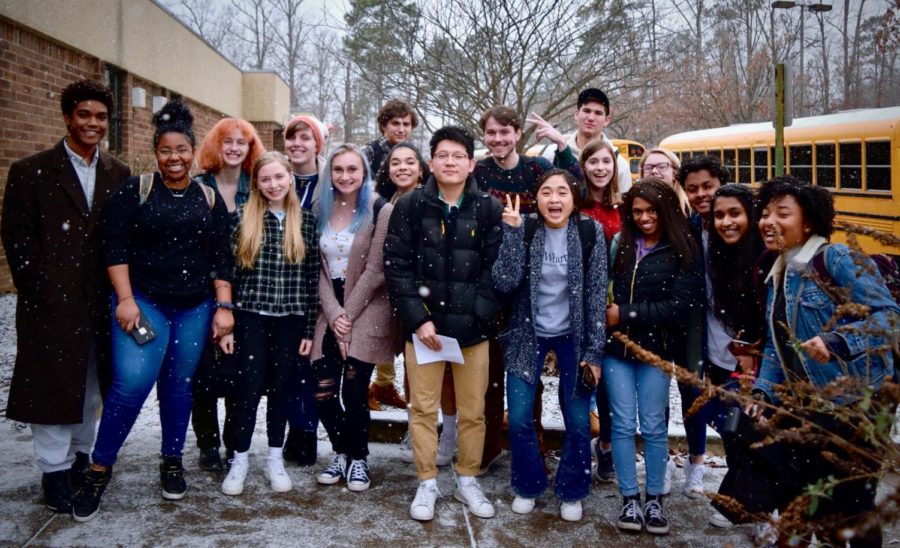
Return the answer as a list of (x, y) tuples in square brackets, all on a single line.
[(511, 213)]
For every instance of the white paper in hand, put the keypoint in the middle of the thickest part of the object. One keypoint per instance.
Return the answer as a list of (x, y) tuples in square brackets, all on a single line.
[(450, 351)]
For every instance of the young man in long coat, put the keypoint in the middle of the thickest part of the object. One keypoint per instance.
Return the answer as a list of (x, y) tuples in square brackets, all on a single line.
[(50, 232)]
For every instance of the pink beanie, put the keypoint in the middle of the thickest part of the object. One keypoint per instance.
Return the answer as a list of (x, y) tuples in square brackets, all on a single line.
[(319, 130)]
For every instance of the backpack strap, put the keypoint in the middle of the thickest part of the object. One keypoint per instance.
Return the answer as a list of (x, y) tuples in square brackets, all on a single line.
[(588, 236), (144, 188), (209, 193)]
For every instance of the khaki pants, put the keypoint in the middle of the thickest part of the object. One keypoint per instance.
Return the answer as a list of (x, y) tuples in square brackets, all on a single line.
[(384, 374), (470, 383)]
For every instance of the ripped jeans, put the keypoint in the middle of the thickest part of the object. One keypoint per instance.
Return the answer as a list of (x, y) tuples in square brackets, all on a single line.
[(339, 380)]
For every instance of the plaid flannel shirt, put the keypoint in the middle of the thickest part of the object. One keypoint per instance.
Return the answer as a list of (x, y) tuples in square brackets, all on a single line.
[(276, 286)]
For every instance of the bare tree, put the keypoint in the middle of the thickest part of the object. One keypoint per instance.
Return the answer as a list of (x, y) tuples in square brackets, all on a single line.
[(255, 31)]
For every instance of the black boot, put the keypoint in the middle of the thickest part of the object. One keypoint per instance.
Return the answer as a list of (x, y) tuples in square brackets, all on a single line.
[(57, 491), (87, 502), (79, 470), (171, 476), (293, 446), (210, 460)]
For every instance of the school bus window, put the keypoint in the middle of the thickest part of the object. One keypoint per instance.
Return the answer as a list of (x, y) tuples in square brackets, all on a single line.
[(760, 165), (851, 166), (635, 150), (878, 165), (728, 158), (801, 162), (825, 168), (717, 154), (744, 165), (635, 166)]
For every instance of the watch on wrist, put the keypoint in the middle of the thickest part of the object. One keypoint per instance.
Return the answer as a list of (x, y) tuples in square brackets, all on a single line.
[(225, 304)]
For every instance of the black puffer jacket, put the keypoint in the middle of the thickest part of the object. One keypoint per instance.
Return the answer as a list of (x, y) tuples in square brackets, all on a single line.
[(656, 297), (438, 265)]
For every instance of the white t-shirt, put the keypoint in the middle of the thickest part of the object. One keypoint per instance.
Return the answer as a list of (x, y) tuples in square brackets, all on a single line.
[(335, 246)]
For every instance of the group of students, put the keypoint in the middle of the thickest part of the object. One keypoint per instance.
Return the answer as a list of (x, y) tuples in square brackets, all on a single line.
[(294, 276)]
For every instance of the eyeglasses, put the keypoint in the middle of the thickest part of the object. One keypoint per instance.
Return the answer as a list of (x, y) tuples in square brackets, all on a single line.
[(659, 168), (444, 156), (180, 151)]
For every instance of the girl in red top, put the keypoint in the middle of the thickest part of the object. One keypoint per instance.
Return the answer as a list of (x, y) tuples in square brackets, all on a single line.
[(602, 199)]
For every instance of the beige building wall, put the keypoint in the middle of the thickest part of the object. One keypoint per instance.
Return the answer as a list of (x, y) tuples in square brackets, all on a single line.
[(144, 39)]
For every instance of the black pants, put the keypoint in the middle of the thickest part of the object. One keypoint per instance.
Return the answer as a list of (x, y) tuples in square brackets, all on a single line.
[(342, 395), (268, 355), (215, 378)]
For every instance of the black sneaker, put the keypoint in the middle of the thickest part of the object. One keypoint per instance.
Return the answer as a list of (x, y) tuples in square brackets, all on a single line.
[(171, 476), (79, 470), (655, 519), (606, 472), (631, 518), (309, 445), (86, 503), (210, 460), (57, 491)]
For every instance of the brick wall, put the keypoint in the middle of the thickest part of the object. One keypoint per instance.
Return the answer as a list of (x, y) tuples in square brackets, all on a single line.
[(34, 70)]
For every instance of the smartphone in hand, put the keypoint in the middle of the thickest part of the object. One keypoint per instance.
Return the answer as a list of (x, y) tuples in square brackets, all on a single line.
[(143, 332)]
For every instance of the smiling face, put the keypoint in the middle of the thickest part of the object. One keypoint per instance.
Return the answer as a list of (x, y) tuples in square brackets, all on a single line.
[(730, 219), (301, 147), (404, 169), (274, 183), (598, 168), (450, 163), (700, 187), (659, 165), (347, 174), (555, 201), (645, 217), (500, 139), (398, 129), (591, 119), (235, 148), (86, 125), (174, 156), (782, 225)]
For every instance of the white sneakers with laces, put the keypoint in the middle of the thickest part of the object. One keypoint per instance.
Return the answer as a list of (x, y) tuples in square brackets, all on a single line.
[(693, 479), (570, 511), (422, 507), (278, 477), (522, 505), (237, 474), (469, 492)]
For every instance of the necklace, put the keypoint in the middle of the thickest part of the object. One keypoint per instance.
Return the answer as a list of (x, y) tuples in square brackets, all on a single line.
[(179, 193)]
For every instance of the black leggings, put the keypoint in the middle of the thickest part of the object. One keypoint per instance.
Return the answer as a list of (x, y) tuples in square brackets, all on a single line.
[(268, 353)]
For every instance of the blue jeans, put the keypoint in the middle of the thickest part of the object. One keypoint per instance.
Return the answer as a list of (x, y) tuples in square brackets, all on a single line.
[(635, 386), (573, 477), (169, 361)]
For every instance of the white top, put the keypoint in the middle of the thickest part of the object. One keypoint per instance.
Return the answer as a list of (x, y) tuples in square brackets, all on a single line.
[(717, 338), (335, 247), (87, 172)]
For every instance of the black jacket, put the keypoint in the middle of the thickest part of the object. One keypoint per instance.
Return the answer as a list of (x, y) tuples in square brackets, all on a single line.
[(656, 298), (438, 264)]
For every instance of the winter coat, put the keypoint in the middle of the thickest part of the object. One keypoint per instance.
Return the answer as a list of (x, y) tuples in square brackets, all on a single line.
[(809, 309), (365, 296), (657, 297), (518, 271), (438, 264), (52, 242)]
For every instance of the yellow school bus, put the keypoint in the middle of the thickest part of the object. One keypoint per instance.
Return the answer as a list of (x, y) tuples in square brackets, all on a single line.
[(855, 154)]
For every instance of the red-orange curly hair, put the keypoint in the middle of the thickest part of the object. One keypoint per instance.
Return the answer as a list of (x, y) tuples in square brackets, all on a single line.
[(210, 155)]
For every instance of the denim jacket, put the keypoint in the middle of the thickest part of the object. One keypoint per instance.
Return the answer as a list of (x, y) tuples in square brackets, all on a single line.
[(516, 273), (809, 309)]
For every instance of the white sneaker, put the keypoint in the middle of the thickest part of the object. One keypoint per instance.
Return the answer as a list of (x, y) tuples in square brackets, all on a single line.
[(570, 511), (469, 492), (406, 452), (669, 476), (237, 474), (693, 479), (446, 448), (278, 477), (718, 520), (522, 505), (422, 507)]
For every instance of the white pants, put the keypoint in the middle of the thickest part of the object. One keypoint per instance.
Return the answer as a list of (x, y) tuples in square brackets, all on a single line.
[(55, 445)]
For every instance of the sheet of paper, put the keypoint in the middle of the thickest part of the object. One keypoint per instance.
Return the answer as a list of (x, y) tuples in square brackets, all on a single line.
[(450, 351)]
